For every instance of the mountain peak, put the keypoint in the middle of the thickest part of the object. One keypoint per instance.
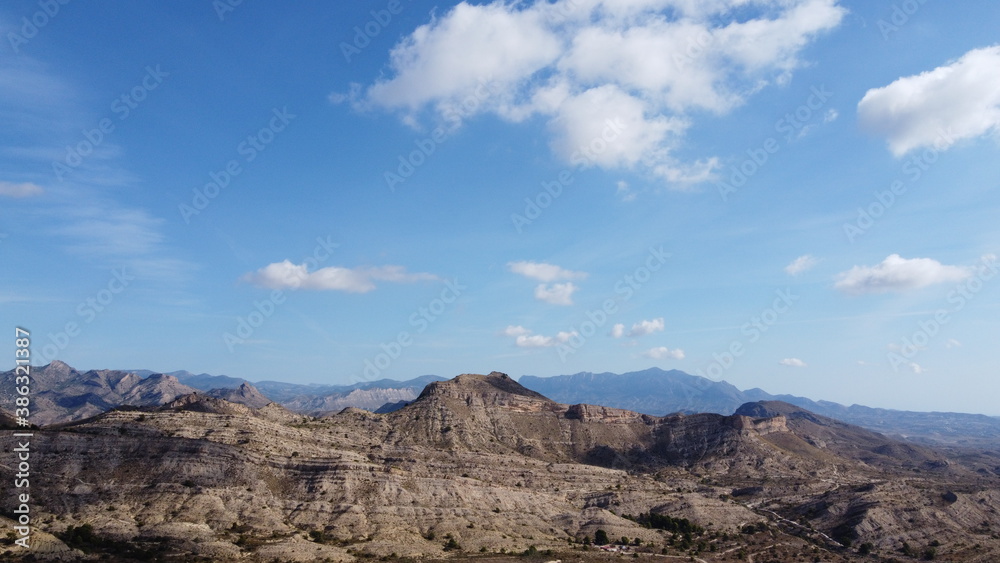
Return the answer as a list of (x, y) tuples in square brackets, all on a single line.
[(771, 409), (56, 366), (495, 382), (245, 394), (494, 390)]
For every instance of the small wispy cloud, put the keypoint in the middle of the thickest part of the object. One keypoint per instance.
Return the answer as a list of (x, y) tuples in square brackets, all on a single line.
[(643, 328), (556, 294), (792, 362), (523, 338), (22, 190), (624, 192), (544, 272), (801, 264), (640, 328), (662, 352), (286, 275)]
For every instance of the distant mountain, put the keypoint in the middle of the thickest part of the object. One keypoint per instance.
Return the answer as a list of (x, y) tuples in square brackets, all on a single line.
[(653, 391), (202, 381), (245, 394), (61, 393), (324, 399), (658, 392), (283, 392)]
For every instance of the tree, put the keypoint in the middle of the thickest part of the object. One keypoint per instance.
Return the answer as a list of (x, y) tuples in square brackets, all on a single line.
[(601, 538)]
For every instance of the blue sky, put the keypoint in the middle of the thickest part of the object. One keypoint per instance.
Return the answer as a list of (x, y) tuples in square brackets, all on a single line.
[(800, 195)]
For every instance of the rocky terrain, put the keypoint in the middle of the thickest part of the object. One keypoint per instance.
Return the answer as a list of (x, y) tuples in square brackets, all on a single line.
[(481, 467), (658, 392), (64, 394), (61, 393)]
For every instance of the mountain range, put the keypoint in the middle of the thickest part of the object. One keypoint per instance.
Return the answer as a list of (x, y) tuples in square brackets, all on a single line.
[(481, 465), (62, 394), (655, 391)]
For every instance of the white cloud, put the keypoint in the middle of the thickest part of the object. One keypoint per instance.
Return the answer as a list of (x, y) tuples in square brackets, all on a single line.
[(556, 294), (518, 330), (960, 100), (663, 352), (916, 368), (544, 272), (523, 338), (286, 275), (801, 264), (792, 362), (952, 343), (582, 64), (25, 189), (638, 329), (898, 274), (643, 328), (624, 192)]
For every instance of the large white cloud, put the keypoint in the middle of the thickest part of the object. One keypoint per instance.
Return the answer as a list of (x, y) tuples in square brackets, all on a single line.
[(936, 108), (647, 65), (286, 275), (899, 274)]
